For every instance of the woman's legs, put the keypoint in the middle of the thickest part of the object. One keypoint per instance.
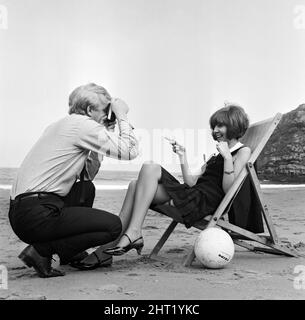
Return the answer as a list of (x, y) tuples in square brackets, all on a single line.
[(148, 191), (140, 195), (125, 215)]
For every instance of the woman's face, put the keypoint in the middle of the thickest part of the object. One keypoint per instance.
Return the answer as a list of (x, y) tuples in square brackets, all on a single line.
[(219, 133)]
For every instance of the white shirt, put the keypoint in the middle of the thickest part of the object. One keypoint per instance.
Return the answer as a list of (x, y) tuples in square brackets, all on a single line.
[(58, 157)]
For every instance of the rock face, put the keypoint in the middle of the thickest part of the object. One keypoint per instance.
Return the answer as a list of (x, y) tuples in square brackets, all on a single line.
[(283, 158)]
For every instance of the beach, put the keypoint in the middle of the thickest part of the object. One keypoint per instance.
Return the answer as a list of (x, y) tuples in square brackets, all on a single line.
[(248, 276)]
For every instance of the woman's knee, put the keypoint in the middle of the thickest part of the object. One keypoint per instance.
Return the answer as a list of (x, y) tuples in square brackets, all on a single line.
[(151, 167), (133, 183)]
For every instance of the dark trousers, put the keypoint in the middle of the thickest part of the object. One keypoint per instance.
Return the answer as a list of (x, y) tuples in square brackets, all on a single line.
[(62, 225)]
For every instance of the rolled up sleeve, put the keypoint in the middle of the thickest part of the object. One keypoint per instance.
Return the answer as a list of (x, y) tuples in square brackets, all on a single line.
[(94, 137)]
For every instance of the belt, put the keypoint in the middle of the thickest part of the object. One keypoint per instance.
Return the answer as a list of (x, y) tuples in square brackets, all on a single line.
[(37, 195)]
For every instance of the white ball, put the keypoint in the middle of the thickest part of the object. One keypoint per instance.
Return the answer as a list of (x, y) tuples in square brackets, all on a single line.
[(214, 248)]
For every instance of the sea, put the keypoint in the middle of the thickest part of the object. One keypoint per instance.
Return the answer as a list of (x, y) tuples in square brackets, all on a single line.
[(119, 180), (109, 180)]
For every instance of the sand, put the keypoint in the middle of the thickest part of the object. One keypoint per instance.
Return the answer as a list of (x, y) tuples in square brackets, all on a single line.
[(248, 276)]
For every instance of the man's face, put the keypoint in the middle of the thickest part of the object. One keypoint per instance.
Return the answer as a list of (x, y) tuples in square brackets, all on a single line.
[(99, 114)]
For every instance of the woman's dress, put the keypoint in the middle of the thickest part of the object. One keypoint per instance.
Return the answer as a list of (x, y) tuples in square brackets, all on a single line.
[(202, 199)]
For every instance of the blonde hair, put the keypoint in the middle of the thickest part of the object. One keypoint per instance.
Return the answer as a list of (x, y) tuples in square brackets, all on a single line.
[(86, 95)]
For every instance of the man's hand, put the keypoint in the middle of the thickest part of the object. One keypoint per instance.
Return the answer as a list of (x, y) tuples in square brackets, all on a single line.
[(223, 149), (110, 126), (119, 107)]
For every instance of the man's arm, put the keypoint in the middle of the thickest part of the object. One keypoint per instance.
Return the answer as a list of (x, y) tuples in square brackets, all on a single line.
[(122, 146), (94, 136), (128, 141)]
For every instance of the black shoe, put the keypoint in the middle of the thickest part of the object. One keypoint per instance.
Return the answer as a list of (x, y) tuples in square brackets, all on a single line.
[(42, 265), (78, 257), (137, 244), (89, 266)]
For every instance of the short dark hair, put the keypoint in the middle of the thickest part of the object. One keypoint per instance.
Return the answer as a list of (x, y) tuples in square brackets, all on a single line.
[(84, 96), (234, 118)]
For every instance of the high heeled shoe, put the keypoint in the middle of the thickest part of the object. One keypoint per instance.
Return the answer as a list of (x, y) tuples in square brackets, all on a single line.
[(137, 244)]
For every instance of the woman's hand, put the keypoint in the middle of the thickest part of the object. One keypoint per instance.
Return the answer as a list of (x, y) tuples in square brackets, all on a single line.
[(223, 149), (178, 148)]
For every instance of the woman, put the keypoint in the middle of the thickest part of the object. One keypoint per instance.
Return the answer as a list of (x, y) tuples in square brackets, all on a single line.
[(197, 197)]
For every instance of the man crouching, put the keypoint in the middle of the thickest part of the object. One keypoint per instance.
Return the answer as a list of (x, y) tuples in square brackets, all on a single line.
[(52, 197)]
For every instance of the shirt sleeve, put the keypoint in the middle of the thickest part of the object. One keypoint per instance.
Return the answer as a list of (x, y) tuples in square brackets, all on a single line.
[(94, 137)]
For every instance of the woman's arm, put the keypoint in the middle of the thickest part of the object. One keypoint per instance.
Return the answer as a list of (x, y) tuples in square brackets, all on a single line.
[(188, 177), (232, 170)]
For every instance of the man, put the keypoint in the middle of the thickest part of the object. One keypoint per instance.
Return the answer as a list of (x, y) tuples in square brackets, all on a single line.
[(50, 209)]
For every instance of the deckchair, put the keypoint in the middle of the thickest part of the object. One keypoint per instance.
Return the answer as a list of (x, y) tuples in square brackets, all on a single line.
[(256, 138)]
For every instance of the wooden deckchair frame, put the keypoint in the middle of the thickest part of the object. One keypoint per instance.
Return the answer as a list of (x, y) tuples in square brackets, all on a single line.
[(256, 138)]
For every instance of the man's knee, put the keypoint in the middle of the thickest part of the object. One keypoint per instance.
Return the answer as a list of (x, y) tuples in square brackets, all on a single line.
[(116, 227)]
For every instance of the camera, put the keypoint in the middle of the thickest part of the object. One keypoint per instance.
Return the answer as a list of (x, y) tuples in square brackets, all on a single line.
[(110, 114)]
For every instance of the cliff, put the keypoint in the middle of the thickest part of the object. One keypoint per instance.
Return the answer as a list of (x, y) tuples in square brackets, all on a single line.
[(283, 158)]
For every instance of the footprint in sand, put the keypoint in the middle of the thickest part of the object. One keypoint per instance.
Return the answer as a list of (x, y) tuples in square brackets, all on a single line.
[(202, 279), (182, 232), (150, 228), (108, 288), (249, 274), (238, 276), (18, 268), (27, 274), (176, 250), (113, 288), (130, 293), (16, 296), (161, 264), (299, 245)]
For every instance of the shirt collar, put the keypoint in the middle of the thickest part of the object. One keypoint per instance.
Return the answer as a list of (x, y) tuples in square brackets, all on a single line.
[(237, 146)]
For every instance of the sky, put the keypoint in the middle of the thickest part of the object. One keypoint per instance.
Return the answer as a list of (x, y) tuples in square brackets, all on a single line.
[(174, 62)]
